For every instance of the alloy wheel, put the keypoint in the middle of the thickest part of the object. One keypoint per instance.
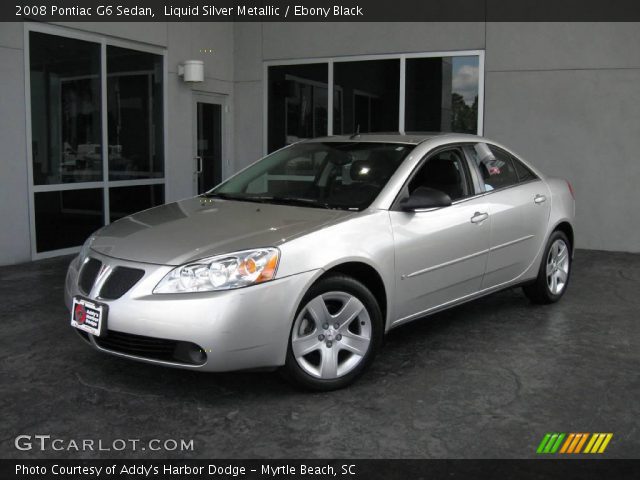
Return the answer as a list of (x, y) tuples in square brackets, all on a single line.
[(557, 266), (331, 335)]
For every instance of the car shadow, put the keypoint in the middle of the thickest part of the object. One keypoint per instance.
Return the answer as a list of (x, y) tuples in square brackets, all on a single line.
[(404, 346)]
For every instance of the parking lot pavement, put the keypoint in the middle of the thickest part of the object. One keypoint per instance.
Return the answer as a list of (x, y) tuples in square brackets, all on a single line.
[(487, 379)]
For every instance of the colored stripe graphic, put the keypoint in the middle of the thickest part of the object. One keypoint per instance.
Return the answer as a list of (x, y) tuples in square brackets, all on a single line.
[(573, 443), (593, 439), (582, 440), (556, 446), (568, 442), (598, 443), (550, 443), (544, 441)]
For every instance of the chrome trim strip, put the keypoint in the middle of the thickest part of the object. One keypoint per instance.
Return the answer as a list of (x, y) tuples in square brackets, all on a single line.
[(445, 264), (467, 257), (512, 242)]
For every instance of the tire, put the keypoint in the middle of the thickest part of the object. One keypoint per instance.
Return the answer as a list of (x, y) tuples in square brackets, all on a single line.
[(336, 333), (555, 271)]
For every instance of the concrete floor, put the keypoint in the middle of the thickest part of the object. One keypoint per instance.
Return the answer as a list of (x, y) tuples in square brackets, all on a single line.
[(487, 379)]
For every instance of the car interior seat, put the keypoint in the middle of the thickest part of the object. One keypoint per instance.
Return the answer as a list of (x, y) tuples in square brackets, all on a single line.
[(440, 174)]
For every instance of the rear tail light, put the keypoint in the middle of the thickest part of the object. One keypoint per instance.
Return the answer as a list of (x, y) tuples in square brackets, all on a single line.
[(573, 193)]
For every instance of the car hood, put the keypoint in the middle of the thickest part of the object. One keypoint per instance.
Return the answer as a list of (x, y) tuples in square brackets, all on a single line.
[(194, 228)]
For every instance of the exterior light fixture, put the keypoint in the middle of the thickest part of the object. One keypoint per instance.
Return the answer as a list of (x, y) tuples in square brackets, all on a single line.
[(192, 71)]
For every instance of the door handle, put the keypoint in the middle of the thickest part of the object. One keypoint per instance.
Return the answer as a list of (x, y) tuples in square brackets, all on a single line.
[(479, 217), (538, 199), (198, 165)]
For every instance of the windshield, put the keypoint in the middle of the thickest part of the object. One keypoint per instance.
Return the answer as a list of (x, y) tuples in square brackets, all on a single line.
[(345, 175)]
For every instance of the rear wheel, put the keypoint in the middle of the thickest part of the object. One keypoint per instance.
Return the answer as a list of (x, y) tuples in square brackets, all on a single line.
[(554, 273), (335, 335)]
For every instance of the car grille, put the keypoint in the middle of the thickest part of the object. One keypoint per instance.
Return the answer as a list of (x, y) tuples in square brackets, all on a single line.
[(121, 280), (88, 275), (152, 348)]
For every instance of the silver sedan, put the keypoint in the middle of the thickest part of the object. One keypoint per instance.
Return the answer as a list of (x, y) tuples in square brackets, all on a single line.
[(305, 259)]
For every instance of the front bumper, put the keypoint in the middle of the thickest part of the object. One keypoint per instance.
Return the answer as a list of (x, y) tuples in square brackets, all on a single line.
[(239, 329)]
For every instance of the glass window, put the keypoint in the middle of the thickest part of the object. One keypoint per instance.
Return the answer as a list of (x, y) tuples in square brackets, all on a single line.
[(368, 94), (298, 103), (124, 201), (66, 218), (324, 175), (444, 171), (442, 94), (524, 173), (69, 141), (209, 145), (495, 165), (65, 109), (134, 105)]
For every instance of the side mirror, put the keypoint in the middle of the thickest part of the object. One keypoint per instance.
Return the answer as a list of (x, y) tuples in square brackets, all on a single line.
[(423, 198)]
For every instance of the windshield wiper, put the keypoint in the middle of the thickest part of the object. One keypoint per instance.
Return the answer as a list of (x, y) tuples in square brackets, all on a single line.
[(230, 196), (305, 202), (279, 199)]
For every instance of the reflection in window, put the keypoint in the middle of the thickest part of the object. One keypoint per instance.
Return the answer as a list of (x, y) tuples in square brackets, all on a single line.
[(442, 94), (124, 201), (134, 103), (65, 219), (368, 93), (298, 103), (445, 172), (65, 109), (69, 141), (345, 175), (496, 166)]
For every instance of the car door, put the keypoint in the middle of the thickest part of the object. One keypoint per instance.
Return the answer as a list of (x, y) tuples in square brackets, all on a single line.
[(440, 254), (519, 205)]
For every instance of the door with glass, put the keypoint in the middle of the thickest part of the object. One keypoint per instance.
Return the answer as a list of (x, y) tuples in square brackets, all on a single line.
[(209, 142)]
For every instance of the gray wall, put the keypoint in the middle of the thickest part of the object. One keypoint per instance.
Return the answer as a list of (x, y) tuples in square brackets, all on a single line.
[(567, 97), (564, 95), (183, 41)]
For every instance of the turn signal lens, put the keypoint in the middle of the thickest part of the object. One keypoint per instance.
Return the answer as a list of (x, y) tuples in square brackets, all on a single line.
[(223, 272), (269, 270)]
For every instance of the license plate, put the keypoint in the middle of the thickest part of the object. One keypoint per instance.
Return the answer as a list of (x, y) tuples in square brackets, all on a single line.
[(89, 316)]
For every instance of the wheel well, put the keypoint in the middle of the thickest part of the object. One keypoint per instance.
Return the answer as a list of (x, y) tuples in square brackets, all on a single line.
[(565, 227), (368, 276)]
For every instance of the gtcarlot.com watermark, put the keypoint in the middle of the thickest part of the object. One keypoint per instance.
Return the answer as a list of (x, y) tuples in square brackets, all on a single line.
[(48, 443)]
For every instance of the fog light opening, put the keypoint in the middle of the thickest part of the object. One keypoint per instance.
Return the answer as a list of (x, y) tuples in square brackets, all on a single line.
[(190, 353)]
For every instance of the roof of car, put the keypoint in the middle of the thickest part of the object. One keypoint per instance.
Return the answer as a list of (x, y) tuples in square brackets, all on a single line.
[(397, 137)]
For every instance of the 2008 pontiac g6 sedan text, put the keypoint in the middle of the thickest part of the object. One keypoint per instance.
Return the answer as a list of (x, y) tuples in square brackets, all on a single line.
[(306, 258)]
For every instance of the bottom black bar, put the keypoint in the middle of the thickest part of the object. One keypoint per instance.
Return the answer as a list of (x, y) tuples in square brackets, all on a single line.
[(565, 469)]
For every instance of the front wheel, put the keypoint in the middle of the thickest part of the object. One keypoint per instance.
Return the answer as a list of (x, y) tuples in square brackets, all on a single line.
[(335, 335), (554, 273)]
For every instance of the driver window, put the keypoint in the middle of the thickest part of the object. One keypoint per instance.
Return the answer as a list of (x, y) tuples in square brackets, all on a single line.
[(445, 172)]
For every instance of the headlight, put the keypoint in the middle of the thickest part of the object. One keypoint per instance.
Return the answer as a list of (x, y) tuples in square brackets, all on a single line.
[(222, 272)]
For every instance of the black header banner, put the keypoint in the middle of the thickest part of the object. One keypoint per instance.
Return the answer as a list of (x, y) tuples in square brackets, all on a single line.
[(319, 469), (320, 10)]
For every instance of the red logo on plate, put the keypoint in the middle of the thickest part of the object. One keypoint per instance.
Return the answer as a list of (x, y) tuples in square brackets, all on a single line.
[(80, 314)]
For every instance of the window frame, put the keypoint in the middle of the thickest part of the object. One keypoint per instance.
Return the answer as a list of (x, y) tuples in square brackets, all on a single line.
[(478, 174), (469, 177), (517, 161), (331, 61), (105, 184)]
